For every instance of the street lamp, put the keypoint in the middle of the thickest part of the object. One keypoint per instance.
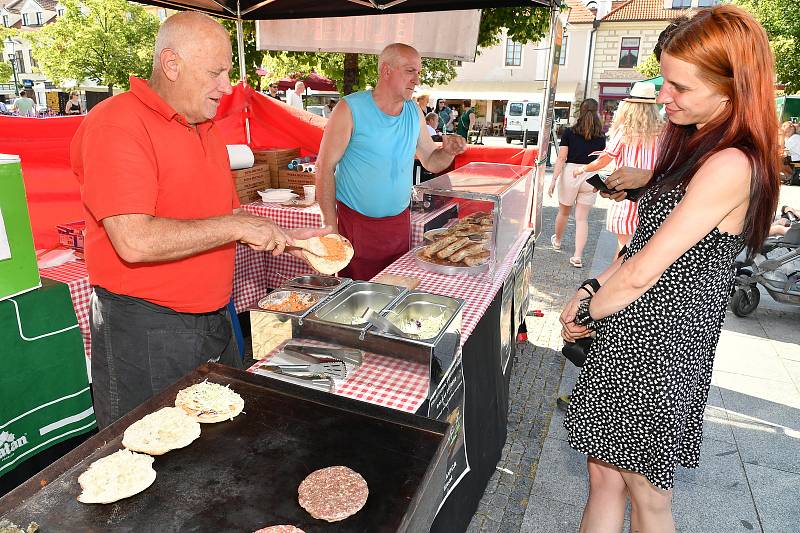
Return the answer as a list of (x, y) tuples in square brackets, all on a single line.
[(12, 57)]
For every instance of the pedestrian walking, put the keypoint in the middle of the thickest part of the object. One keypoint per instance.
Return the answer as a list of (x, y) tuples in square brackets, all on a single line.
[(577, 143), (637, 408), (634, 136)]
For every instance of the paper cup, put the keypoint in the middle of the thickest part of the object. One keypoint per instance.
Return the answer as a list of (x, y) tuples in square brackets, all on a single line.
[(310, 192)]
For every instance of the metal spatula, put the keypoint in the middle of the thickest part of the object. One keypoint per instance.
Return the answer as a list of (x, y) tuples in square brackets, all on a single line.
[(292, 361), (381, 323)]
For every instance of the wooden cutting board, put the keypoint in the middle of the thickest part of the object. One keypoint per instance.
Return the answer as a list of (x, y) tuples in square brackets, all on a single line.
[(399, 281)]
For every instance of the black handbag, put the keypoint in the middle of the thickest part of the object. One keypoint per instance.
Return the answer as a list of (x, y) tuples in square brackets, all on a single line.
[(576, 351)]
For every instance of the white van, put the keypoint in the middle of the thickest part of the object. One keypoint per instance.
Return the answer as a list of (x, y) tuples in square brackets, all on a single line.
[(523, 115)]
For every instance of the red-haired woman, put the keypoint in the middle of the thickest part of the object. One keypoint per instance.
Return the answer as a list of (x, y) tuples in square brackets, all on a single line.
[(637, 408)]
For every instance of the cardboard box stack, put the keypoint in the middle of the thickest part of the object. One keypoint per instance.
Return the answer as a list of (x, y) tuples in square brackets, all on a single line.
[(249, 181), (72, 235), (276, 159), (292, 179)]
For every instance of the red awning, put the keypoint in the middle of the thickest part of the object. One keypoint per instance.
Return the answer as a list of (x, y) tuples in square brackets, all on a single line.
[(313, 81)]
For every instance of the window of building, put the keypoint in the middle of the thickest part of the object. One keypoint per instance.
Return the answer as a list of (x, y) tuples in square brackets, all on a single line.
[(60, 11), (34, 64), (25, 19), (707, 3), (20, 60), (38, 18), (629, 52), (562, 55), (162, 15), (513, 53), (6, 21), (681, 4)]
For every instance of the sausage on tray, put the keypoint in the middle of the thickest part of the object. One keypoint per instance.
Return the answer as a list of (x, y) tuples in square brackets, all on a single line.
[(466, 251), (476, 259), (431, 249), (452, 248)]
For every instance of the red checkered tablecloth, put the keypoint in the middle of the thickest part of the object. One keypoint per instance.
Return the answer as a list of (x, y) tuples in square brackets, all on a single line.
[(75, 276), (477, 290), (258, 272), (380, 380)]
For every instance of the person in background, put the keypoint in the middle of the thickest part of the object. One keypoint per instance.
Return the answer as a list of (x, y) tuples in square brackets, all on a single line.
[(73, 105), (445, 116), (295, 98), (431, 121), (657, 312), (791, 141), (3, 107), (366, 159), (782, 224), (634, 136), (577, 143), (273, 90), (422, 101), (467, 120), (25, 106), (162, 220), (328, 109)]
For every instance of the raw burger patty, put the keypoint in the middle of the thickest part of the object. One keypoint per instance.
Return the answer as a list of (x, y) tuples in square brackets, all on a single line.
[(280, 529), (333, 493)]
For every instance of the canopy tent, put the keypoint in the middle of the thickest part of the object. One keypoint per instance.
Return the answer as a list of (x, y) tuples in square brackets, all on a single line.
[(658, 81), (298, 9), (313, 81)]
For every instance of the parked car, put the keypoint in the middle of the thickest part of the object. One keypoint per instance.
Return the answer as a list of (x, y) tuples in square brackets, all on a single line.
[(316, 109), (521, 116)]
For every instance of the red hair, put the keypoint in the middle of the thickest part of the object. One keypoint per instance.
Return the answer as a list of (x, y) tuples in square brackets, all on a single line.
[(732, 54)]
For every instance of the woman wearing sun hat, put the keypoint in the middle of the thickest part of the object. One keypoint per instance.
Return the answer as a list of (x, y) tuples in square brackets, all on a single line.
[(634, 134)]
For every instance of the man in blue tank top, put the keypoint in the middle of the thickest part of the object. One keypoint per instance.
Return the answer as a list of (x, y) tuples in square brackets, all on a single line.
[(366, 159)]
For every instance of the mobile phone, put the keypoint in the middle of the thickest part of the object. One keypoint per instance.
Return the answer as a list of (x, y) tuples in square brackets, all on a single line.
[(598, 182)]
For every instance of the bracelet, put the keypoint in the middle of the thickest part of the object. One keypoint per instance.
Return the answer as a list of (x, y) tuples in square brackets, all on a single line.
[(593, 283), (582, 316)]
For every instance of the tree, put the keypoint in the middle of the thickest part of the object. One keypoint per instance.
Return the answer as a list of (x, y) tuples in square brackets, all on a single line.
[(103, 40), (781, 20), (252, 57), (5, 72), (649, 68), (523, 24)]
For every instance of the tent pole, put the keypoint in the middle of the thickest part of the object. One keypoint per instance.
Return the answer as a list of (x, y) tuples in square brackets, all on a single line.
[(242, 72)]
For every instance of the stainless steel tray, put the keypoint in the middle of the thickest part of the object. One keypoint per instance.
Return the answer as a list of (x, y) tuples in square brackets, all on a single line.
[(271, 328), (451, 270), (282, 293), (319, 283), (424, 307), (347, 307)]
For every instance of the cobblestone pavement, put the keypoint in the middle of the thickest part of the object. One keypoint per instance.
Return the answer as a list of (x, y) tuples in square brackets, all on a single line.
[(538, 365)]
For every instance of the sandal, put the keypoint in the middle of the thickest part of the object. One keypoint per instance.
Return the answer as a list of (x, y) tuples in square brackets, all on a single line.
[(556, 246), (576, 262)]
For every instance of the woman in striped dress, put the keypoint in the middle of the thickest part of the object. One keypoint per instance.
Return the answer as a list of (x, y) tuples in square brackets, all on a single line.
[(634, 134)]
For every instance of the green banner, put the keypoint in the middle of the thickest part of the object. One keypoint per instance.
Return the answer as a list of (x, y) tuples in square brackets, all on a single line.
[(18, 269), (44, 387)]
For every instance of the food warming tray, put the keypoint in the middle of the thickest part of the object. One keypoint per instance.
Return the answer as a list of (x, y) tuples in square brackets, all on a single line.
[(243, 474), (339, 319), (318, 282)]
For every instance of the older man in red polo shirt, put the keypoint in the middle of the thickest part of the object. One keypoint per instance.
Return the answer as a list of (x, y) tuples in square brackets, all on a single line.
[(162, 220)]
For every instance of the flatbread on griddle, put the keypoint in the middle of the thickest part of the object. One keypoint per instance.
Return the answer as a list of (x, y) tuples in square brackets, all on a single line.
[(115, 477), (209, 402), (167, 429)]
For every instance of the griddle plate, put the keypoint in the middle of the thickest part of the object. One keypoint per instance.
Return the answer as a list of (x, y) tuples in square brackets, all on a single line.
[(243, 474)]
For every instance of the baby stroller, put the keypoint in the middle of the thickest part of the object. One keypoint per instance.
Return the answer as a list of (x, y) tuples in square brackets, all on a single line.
[(776, 268)]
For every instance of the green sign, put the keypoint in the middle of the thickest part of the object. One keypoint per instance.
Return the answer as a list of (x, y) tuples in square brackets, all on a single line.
[(44, 386), (18, 269)]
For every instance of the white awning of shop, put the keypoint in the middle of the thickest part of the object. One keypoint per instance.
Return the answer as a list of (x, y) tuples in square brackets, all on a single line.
[(498, 91)]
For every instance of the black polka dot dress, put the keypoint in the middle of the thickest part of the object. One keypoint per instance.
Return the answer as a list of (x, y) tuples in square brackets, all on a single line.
[(639, 400)]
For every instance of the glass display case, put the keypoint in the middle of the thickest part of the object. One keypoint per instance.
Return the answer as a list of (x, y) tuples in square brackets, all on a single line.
[(494, 208)]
